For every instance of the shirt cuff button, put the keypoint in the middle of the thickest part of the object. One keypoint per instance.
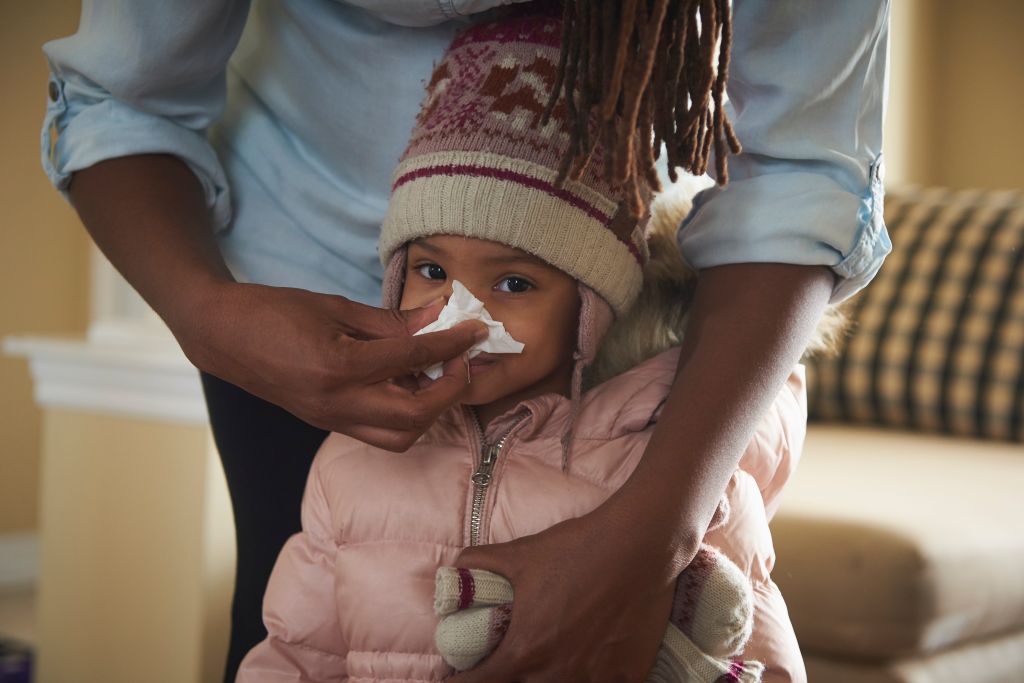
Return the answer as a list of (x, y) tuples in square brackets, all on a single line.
[(53, 91)]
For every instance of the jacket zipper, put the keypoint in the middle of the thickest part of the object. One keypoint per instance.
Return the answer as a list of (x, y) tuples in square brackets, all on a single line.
[(482, 478)]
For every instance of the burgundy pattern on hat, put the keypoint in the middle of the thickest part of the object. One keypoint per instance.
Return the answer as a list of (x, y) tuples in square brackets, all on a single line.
[(480, 164)]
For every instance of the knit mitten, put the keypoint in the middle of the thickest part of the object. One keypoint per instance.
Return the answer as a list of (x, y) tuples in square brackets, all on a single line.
[(476, 606), (711, 621)]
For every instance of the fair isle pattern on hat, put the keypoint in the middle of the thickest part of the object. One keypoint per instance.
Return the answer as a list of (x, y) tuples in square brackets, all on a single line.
[(479, 164)]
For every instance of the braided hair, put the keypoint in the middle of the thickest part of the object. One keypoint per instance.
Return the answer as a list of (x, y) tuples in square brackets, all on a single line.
[(639, 66)]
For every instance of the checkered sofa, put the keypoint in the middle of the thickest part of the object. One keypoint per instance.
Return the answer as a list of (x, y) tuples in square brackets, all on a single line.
[(901, 540)]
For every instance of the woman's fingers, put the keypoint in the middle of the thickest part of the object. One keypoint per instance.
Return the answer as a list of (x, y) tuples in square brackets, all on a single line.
[(369, 322), (498, 558), (387, 439), (382, 359), (384, 346), (360, 321), (331, 361), (416, 319), (584, 609), (393, 415)]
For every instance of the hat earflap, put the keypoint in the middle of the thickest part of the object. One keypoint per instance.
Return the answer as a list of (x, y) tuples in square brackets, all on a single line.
[(394, 278)]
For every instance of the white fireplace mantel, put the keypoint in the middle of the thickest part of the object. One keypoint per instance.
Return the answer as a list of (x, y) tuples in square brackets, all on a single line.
[(128, 364), (144, 378)]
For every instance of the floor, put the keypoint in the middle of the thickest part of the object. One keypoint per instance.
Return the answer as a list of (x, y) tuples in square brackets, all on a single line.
[(17, 615), (17, 634)]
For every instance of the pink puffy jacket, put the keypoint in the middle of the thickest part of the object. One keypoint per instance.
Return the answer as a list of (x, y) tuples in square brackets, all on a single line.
[(351, 597)]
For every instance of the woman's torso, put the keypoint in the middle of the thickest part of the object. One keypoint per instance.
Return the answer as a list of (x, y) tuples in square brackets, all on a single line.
[(322, 96)]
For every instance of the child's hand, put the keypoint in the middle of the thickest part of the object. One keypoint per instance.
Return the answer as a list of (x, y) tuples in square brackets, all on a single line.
[(329, 360), (591, 604)]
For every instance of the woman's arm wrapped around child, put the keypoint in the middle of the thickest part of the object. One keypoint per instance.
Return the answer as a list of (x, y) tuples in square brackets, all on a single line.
[(663, 318)]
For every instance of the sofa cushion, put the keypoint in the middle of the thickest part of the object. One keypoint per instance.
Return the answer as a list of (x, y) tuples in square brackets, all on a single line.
[(892, 543), (937, 342), (999, 659)]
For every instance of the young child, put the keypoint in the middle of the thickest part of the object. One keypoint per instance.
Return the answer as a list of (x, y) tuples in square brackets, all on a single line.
[(475, 201)]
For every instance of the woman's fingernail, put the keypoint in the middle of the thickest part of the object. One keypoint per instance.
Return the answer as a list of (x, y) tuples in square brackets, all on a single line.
[(481, 334)]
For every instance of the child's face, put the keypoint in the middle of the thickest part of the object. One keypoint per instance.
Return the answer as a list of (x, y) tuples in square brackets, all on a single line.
[(537, 303)]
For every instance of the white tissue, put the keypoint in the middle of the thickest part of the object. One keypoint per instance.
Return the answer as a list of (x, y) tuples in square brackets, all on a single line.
[(462, 306)]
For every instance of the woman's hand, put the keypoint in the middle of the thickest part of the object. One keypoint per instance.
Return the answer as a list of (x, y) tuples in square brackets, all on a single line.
[(592, 601), (331, 361), (324, 358)]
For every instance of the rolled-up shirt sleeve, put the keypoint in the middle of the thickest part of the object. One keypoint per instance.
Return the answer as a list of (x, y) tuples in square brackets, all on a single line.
[(807, 94), (142, 78)]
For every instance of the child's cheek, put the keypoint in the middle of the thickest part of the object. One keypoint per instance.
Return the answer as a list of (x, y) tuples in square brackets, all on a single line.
[(516, 326)]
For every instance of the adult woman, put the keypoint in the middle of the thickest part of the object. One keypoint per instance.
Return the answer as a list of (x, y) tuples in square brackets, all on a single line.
[(325, 94)]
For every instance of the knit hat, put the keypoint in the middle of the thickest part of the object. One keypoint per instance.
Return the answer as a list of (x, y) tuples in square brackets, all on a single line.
[(480, 164)]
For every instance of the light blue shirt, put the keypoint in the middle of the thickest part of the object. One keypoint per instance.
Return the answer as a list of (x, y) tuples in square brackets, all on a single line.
[(293, 115)]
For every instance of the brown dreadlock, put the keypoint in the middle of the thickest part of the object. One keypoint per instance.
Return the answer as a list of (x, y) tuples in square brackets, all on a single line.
[(645, 65)]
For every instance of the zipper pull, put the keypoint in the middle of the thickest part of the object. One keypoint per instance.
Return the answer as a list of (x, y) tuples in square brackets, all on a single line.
[(482, 476)]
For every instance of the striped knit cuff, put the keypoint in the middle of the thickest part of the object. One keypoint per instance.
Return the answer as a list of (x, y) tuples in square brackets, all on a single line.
[(458, 589), (515, 202), (680, 661)]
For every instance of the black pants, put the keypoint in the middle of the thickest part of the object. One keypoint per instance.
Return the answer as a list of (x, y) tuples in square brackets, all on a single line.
[(266, 453)]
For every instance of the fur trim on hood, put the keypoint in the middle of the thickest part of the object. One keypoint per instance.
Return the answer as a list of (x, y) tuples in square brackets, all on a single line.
[(658, 319)]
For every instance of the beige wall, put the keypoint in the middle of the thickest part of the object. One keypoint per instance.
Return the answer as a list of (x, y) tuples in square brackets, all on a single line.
[(908, 130), (978, 102), (956, 97), (43, 250)]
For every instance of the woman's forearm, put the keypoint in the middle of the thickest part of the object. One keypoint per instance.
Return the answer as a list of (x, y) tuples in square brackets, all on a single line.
[(322, 357), (147, 214), (748, 326)]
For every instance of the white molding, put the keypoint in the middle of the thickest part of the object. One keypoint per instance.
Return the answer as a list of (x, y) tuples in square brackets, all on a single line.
[(144, 378), (19, 560), (127, 332), (118, 313)]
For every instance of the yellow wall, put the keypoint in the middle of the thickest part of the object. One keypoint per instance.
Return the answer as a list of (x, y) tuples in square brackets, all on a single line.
[(908, 128), (956, 98), (137, 552), (43, 249), (978, 103)]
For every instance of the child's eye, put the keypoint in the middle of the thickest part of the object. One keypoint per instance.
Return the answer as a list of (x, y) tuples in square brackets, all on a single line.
[(514, 285), (431, 271)]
